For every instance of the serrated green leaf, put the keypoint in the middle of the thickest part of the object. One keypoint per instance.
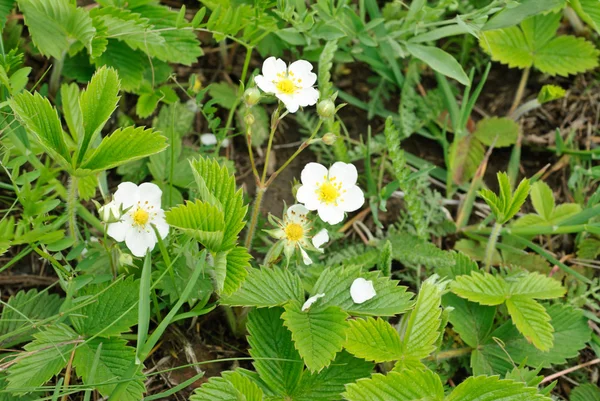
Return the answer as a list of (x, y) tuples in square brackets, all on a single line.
[(585, 392), (55, 25), (246, 386), (408, 385), (123, 146), (111, 313), (473, 322), (438, 60), (131, 64), (22, 312), (72, 110), (233, 386), (271, 346), (374, 340), (531, 320), (484, 388), (146, 104), (200, 220), (266, 287), (6, 6), (238, 263), (542, 199), (45, 357), (115, 357), (507, 46), (329, 383), (409, 249), (588, 11), (504, 128), (41, 119), (318, 333), (540, 29), (549, 93), (517, 199), (482, 288), (566, 55), (391, 299), (537, 286)]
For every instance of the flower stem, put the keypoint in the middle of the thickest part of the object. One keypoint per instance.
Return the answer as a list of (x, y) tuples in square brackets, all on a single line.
[(55, 75), (520, 90), (274, 123), (491, 246), (72, 207), (260, 192), (243, 80)]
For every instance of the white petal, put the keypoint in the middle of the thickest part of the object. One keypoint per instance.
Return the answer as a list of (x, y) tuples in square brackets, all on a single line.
[(225, 143), (110, 211), (330, 214), (312, 174), (208, 139), (151, 193), (302, 70), (273, 66), (307, 260), (161, 224), (118, 231), (297, 213), (345, 173), (352, 199), (311, 301), (127, 194), (140, 242), (290, 102), (306, 195), (264, 84), (362, 290), (307, 97), (320, 239)]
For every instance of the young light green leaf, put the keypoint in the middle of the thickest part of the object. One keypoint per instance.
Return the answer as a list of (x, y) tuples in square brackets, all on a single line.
[(41, 119), (98, 101), (44, 358), (271, 346), (267, 287), (124, 145), (531, 320), (72, 110), (482, 288), (537, 286), (112, 312), (439, 61), (408, 385), (114, 360), (318, 333), (483, 388), (567, 55), (542, 198), (200, 220), (549, 93), (503, 130), (374, 340)]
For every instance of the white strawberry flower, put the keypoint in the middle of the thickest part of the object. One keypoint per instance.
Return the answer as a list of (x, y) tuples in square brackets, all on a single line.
[(292, 85), (330, 192), (142, 209), (362, 290)]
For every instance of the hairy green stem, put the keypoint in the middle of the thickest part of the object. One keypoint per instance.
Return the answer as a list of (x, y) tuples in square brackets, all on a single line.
[(72, 207), (55, 76), (520, 90), (243, 80), (491, 246), (260, 192)]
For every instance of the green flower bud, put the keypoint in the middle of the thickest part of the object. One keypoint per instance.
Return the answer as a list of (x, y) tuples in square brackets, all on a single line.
[(251, 96), (326, 108), (249, 119), (329, 138)]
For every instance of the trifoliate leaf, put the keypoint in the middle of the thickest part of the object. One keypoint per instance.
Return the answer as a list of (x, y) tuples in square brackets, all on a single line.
[(54, 25), (531, 320), (472, 321), (483, 388), (549, 93), (374, 340), (22, 311), (505, 129), (275, 357), (114, 359), (123, 146), (390, 299), (408, 385), (200, 220), (110, 309), (329, 383), (318, 333), (537, 286), (267, 287), (44, 358), (566, 55), (482, 288)]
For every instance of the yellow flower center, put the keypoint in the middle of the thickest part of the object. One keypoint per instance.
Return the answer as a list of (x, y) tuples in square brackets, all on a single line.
[(140, 217), (328, 192), (286, 86), (294, 232)]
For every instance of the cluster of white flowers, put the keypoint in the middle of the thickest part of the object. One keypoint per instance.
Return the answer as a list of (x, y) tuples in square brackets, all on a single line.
[(133, 213)]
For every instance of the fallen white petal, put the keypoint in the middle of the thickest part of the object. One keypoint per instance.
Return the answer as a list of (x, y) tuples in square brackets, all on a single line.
[(362, 290), (311, 301), (208, 139), (321, 238)]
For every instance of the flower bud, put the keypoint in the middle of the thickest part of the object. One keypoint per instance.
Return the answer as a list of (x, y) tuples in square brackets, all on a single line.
[(326, 108), (109, 213), (329, 138), (251, 96), (125, 259), (249, 119)]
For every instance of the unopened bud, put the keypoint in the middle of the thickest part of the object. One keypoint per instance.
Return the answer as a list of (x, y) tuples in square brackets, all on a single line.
[(125, 259), (109, 213), (249, 119), (251, 96), (326, 108), (329, 138)]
